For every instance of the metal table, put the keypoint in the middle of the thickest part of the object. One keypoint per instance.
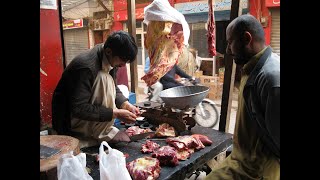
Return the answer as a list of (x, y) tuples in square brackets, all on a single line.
[(221, 141)]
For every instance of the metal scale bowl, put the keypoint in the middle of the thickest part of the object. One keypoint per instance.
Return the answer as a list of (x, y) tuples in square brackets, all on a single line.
[(177, 106)]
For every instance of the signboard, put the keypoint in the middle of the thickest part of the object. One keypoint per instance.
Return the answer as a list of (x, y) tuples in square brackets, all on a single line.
[(202, 6), (71, 24), (272, 3), (48, 4), (123, 16)]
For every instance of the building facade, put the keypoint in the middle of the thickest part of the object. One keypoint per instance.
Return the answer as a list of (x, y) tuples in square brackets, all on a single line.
[(268, 13)]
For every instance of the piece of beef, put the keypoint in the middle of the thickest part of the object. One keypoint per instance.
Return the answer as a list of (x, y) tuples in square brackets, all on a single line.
[(184, 154), (165, 130), (204, 139), (145, 168), (149, 147), (167, 156), (185, 142), (134, 130)]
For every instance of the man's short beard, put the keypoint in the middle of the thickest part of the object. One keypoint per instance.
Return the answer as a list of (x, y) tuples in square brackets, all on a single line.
[(241, 59)]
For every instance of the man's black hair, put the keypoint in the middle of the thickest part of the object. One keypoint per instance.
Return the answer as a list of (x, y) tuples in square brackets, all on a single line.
[(123, 45), (251, 24)]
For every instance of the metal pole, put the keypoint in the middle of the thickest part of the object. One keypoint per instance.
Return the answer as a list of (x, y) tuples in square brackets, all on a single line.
[(229, 75)]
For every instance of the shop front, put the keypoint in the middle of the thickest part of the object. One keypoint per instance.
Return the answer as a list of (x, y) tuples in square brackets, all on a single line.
[(76, 38), (268, 13), (274, 8), (196, 14)]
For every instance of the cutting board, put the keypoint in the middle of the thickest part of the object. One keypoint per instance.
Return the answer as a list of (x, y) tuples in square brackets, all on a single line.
[(48, 167)]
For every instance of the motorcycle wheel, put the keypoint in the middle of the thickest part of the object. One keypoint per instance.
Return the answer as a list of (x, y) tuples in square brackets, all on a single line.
[(206, 114)]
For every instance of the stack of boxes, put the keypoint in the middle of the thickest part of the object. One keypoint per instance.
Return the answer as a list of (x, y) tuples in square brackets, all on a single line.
[(215, 83), (197, 74), (221, 75)]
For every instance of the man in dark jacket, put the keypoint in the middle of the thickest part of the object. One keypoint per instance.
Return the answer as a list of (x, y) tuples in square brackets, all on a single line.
[(87, 100), (169, 80), (256, 142)]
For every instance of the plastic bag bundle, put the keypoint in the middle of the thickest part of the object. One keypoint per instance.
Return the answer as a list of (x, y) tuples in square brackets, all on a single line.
[(72, 167), (112, 165)]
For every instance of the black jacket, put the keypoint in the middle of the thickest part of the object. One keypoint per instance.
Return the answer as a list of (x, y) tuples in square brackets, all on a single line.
[(168, 80), (262, 98), (74, 90)]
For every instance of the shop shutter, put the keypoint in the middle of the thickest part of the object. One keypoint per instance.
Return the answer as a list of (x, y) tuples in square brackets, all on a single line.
[(75, 42), (275, 30), (198, 39)]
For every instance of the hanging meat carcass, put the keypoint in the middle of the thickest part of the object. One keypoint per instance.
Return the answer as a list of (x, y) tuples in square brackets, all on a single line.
[(164, 41), (211, 34), (167, 33)]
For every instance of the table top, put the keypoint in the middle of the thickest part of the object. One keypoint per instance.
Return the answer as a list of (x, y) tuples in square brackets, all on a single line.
[(61, 142), (221, 141)]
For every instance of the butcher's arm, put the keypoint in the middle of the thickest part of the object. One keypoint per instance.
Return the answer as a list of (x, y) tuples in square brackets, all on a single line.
[(181, 73), (168, 78), (80, 99)]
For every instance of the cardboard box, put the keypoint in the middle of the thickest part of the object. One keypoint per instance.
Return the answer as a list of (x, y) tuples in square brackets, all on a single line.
[(208, 79), (221, 70), (221, 75), (213, 96), (197, 74), (215, 91)]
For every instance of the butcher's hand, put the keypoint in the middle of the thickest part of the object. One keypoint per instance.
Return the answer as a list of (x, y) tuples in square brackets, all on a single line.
[(195, 81), (121, 136), (128, 106), (124, 115)]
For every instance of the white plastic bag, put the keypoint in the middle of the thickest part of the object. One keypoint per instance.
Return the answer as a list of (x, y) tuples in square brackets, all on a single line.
[(112, 165), (124, 89), (72, 167), (161, 10)]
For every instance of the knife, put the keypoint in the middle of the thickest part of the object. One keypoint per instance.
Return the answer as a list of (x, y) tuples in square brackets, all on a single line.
[(46, 152), (141, 136)]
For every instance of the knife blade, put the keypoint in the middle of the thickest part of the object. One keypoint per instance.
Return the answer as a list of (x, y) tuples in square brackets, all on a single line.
[(46, 152), (141, 136)]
